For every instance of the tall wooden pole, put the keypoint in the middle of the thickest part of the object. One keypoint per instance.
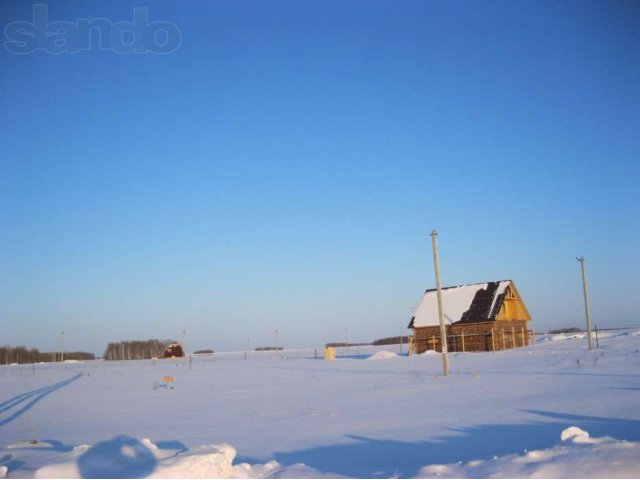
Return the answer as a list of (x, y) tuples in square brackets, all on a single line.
[(443, 331), (586, 298), (62, 347)]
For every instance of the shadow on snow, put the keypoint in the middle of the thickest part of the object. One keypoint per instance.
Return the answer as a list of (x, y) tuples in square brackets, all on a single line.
[(120, 457), (376, 458), (31, 398), (7, 461)]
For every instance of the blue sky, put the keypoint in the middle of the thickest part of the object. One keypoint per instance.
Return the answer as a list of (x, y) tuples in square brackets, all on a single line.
[(283, 168)]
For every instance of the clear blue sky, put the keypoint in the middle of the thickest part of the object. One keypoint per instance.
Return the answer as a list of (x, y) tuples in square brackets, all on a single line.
[(284, 166)]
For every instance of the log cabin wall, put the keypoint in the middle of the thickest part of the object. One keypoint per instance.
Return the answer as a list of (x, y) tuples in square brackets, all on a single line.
[(474, 337)]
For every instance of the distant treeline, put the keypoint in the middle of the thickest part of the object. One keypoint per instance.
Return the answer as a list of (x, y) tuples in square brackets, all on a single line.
[(566, 330), (266, 349), (380, 341), (136, 349), (9, 355), (391, 340)]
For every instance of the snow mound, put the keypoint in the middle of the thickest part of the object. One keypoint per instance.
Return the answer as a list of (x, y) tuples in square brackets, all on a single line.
[(429, 352), (567, 336), (126, 457), (213, 461), (575, 435), (32, 444), (382, 355), (580, 457), (3, 472)]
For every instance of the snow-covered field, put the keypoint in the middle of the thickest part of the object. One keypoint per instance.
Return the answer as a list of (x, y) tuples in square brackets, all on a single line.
[(550, 410)]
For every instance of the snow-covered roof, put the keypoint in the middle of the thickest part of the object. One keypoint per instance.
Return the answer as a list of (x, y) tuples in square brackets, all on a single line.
[(478, 302)]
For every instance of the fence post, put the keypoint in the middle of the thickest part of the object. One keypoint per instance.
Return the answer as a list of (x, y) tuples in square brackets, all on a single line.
[(493, 342), (504, 347), (513, 336), (462, 334)]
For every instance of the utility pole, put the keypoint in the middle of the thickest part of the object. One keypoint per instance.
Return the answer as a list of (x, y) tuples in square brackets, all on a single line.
[(586, 298), (62, 347), (403, 329), (276, 339), (443, 331), (184, 342)]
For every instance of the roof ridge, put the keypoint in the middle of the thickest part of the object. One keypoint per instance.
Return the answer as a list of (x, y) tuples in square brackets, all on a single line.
[(468, 285)]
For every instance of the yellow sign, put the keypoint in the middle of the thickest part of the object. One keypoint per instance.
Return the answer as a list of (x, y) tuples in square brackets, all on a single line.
[(329, 353), (168, 379)]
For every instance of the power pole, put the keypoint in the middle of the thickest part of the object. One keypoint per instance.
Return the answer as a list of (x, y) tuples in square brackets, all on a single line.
[(586, 298), (62, 347), (276, 339), (184, 342), (443, 331)]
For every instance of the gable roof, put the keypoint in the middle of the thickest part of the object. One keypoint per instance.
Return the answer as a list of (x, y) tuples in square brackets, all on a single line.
[(478, 302)]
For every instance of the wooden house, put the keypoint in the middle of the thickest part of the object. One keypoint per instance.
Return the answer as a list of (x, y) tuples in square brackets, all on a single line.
[(174, 350), (478, 317)]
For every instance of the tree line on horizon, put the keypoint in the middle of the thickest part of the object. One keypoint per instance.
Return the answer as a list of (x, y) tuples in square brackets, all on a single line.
[(22, 354), (378, 342), (136, 349)]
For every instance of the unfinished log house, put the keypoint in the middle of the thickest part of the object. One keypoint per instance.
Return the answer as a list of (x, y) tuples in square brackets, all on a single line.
[(478, 317), (174, 350)]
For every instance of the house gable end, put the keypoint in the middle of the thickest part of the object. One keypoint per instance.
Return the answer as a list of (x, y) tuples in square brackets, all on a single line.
[(512, 306)]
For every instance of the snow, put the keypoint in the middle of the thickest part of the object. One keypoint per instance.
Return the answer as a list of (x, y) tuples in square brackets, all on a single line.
[(383, 355), (551, 410), (601, 458), (455, 300), (123, 457), (575, 434), (604, 457)]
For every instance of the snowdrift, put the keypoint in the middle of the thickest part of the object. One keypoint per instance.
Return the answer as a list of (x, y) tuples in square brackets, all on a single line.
[(578, 456), (382, 355), (126, 457)]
